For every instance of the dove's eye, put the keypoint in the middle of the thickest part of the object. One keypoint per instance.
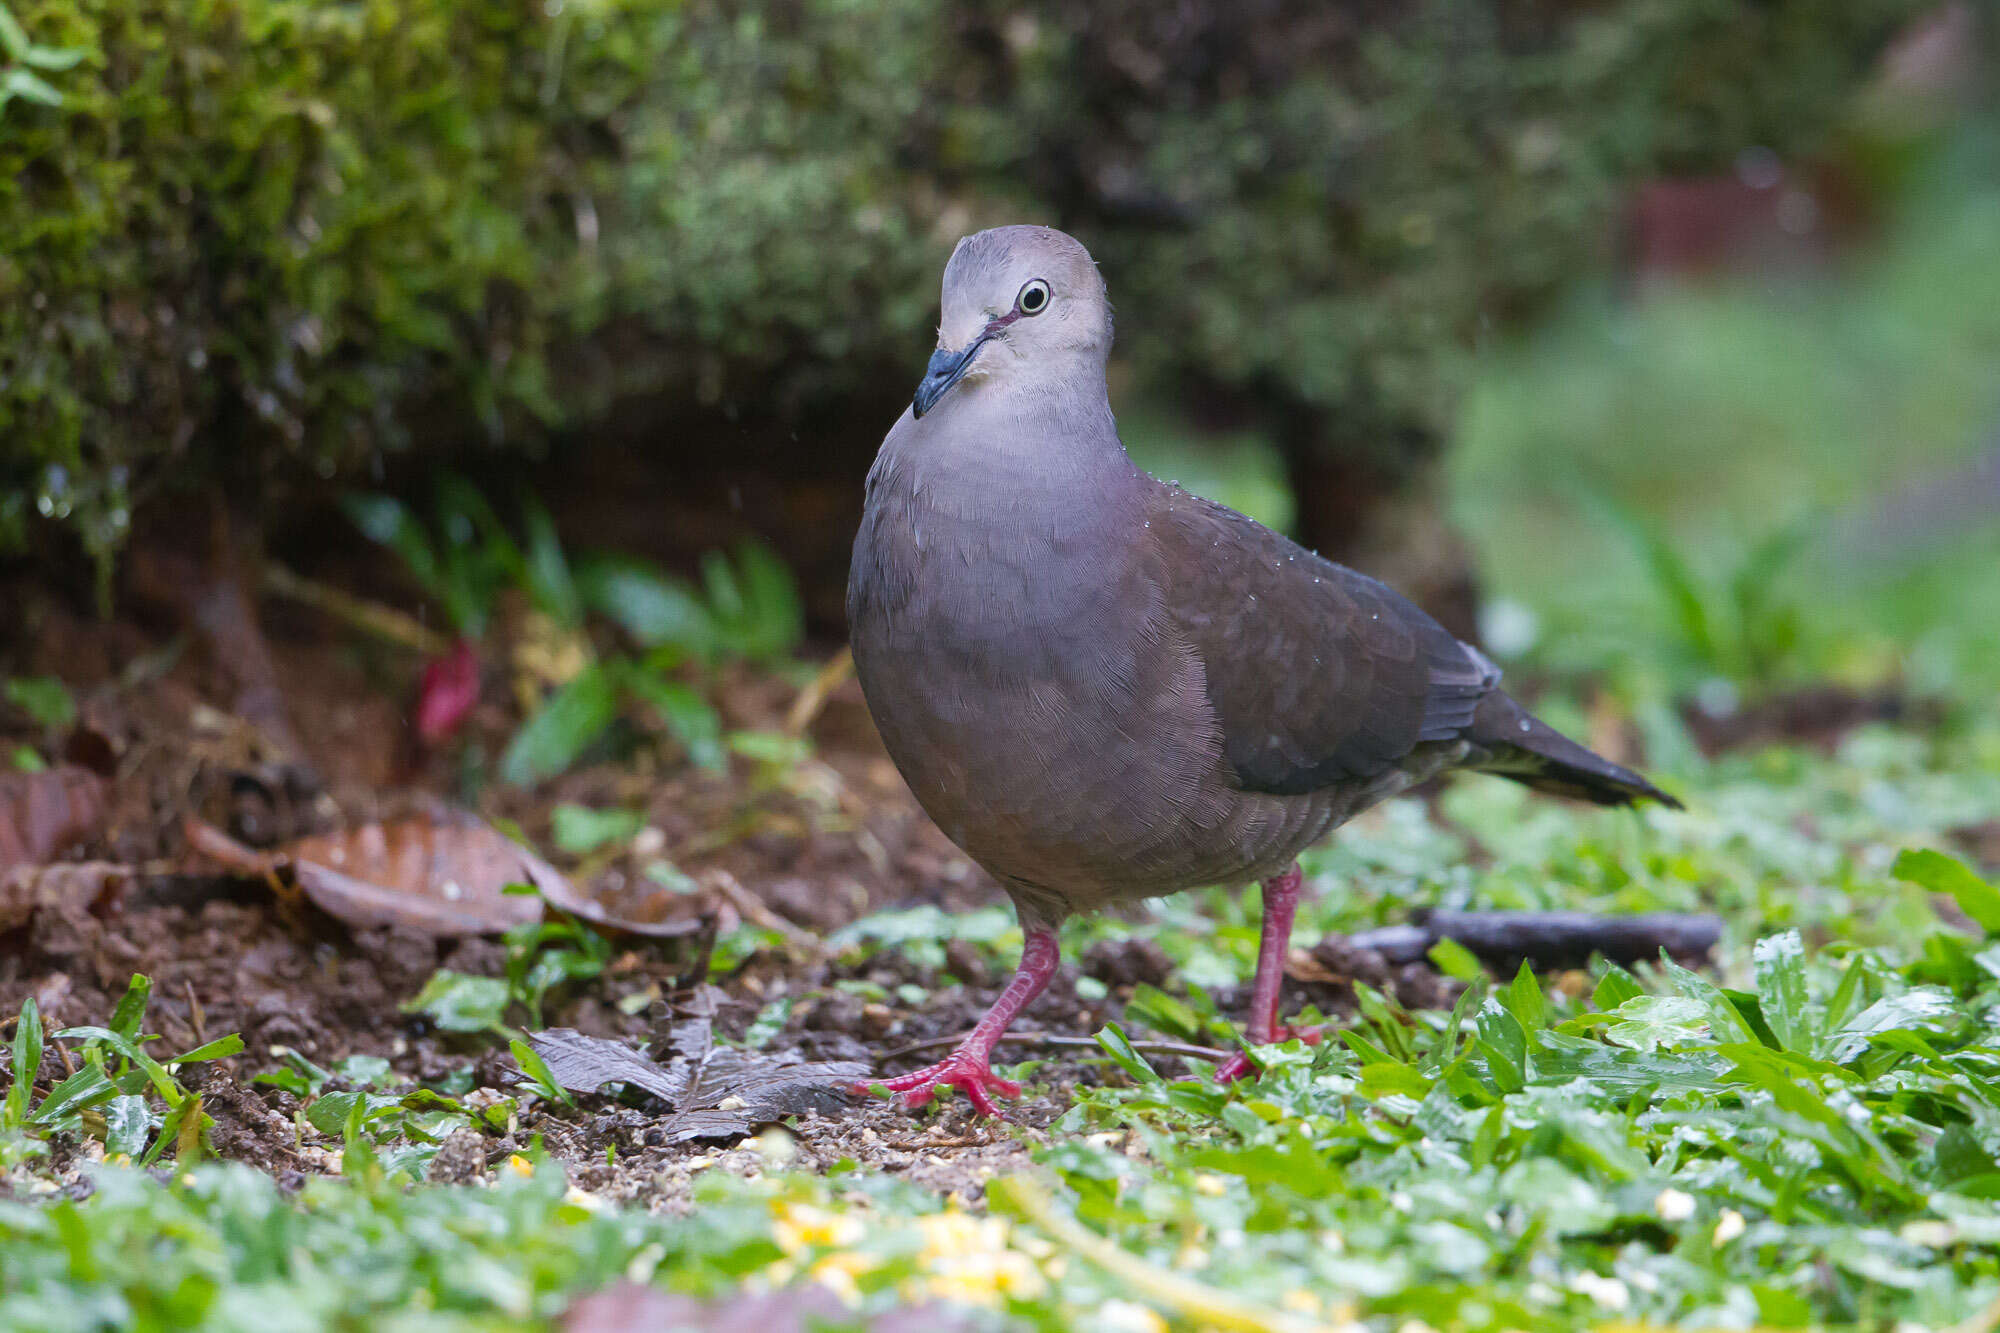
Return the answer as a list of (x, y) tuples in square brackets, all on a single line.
[(1034, 298)]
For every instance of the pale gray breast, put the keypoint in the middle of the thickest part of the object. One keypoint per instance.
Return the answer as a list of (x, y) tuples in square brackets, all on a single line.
[(1016, 661)]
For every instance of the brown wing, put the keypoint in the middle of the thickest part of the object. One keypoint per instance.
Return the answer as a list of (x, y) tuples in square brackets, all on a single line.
[(1319, 675)]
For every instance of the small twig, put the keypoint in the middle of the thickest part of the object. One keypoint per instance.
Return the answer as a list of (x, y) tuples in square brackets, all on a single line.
[(1548, 939), (195, 1015), (1054, 1039), (812, 699), (384, 622)]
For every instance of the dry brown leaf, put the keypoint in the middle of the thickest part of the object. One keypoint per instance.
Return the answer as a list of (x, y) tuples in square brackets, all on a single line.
[(444, 874), (65, 885), (43, 815), (713, 1092), (627, 907), (631, 1308)]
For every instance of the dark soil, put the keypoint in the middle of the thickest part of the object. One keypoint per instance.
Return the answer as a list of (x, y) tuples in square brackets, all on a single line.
[(817, 845)]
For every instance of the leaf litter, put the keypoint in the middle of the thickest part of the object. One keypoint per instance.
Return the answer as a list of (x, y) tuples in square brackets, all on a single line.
[(711, 1091)]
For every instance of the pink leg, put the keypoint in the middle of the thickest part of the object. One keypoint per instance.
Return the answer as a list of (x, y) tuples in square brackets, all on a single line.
[(1281, 902), (969, 1067)]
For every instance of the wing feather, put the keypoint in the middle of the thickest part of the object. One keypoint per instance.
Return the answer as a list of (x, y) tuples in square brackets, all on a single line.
[(1319, 675)]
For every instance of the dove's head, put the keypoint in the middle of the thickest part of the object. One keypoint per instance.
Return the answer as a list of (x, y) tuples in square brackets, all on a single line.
[(1022, 305)]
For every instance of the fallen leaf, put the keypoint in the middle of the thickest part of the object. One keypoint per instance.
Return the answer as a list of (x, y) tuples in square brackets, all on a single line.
[(64, 885), (621, 905), (447, 694), (43, 815), (712, 1092), (443, 873), (631, 1308)]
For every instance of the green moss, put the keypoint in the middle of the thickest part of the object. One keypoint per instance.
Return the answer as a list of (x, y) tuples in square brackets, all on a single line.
[(258, 236)]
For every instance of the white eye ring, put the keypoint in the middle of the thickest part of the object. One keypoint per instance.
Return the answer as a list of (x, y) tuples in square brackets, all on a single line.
[(1034, 297)]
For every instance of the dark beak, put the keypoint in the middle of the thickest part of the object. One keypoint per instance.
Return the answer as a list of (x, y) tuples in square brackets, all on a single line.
[(946, 369)]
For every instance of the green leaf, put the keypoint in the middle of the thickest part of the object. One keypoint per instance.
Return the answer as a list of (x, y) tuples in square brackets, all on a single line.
[(580, 830), (18, 82), (1498, 1036), (688, 716), (26, 759), (1939, 873), (1924, 1010), (130, 1015), (79, 1092), (458, 1002), (574, 716), (653, 608), (45, 699), (13, 37), (163, 1083), (1725, 1022), (1163, 1013), (332, 1113), (128, 1123), (1781, 990), (1112, 1038), (1524, 999), (773, 614), (1455, 960), (384, 520), (538, 1072), (1614, 988), (55, 59), (1648, 1022), (549, 584), (27, 1063), (219, 1049)]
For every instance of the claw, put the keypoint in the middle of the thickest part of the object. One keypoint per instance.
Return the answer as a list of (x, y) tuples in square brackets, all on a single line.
[(961, 1070)]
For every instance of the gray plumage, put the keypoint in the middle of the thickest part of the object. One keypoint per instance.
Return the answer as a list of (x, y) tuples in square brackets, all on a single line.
[(1103, 687)]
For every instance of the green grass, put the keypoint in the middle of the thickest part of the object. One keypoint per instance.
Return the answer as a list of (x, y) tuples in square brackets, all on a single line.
[(1810, 1135)]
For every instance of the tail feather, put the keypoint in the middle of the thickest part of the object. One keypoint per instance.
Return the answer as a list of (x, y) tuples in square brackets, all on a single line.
[(1522, 747)]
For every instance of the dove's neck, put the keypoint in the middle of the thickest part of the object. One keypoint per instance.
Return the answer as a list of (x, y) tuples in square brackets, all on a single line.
[(1046, 442)]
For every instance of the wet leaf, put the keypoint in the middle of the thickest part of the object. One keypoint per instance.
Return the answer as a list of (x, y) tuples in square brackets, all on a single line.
[(1119, 1048), (1781, 991), (445, 874), (1944, 874), (713, 1092), (574, 716), (27, 1063), (691, 718), (44, 699), (580, 830), (85, 1088), (130, 1015), (538, 1073), (1648, 1022), (654, 608), (447, 693), (127, 1124), (458, 1002), (44, 814)]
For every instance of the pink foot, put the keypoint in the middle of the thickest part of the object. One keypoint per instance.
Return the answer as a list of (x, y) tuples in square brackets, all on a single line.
[(960, 1069), (1240, 1065)]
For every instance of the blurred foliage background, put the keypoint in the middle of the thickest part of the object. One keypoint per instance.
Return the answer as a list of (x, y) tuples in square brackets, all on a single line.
[(260, 243), (1650, 300)]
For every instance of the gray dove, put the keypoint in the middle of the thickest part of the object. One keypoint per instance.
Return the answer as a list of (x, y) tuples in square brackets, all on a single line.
[(1104, 688)]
